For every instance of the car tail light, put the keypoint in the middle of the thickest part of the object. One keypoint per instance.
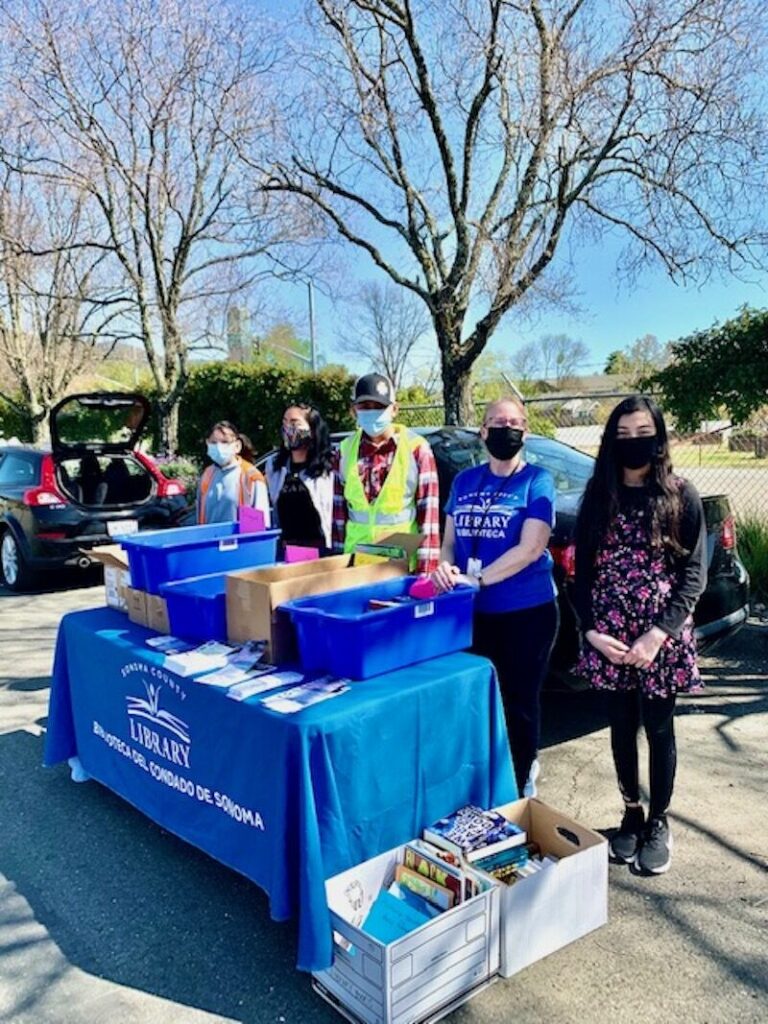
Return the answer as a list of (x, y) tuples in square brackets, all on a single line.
[(51, 535), (564, 556), (166, 487), (728, 533), (47, 492)]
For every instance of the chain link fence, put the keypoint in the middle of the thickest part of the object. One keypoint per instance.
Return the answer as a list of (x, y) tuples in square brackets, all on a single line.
[(718, 459)]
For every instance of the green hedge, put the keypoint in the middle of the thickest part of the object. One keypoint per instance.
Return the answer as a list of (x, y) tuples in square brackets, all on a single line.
[(254, 399), (13, 423)]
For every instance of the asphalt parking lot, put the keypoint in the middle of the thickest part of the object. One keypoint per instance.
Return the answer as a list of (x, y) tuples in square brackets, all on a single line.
[(106, 917)]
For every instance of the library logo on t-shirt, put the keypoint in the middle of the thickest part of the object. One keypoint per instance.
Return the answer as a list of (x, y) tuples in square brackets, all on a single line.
[(481, 514)]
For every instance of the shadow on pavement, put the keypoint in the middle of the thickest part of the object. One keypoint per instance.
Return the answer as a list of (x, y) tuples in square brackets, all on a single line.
[(124, 900)]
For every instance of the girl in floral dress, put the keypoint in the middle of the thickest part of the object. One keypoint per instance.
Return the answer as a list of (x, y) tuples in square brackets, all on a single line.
[(640, 568)]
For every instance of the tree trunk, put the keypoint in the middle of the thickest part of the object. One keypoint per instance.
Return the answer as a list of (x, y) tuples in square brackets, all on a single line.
[(39, 425), (169, 424), (457, 393), (457, 385)]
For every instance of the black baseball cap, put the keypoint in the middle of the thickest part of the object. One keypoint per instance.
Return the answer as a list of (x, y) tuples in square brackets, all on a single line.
[(373, 387)]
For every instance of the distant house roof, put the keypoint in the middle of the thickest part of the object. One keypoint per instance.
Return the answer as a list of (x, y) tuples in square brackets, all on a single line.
[(593, 386)]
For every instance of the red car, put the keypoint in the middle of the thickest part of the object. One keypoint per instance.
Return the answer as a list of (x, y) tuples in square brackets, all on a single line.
[(91, 485)]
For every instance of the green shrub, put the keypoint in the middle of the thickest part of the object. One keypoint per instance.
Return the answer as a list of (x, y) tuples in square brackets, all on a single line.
[(13, 423), (186, 470), (254, 398), (752, 533)]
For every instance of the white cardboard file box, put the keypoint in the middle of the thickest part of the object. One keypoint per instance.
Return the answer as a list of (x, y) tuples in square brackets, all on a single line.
[(117, 575), (548, 910), (419, 978)]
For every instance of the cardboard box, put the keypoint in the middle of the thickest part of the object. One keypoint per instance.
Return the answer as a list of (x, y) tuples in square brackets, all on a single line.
[(254, 595), (117, 575), (423, 976), (136, 605), (555, 906), (148, 610)]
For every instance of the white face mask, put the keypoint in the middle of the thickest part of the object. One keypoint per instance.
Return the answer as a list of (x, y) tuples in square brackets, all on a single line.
[(221, 452), (374, 422)]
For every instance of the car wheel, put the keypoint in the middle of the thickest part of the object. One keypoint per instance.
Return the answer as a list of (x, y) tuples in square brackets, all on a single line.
[(14, 572)]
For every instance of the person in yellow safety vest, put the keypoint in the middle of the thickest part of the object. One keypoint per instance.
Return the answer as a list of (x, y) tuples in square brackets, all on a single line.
[(231, 481), (385, 478)]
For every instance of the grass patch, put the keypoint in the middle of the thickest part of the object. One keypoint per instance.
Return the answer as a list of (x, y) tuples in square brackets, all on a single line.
[(687, 456), (752, 534)]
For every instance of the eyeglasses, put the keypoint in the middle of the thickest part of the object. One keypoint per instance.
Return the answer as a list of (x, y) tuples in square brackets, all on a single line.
[(521, 424)]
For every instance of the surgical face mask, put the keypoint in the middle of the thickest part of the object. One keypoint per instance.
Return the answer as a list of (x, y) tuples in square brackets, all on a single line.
[(636, 452), (296, 437), (374, 421), (221, 452), (504, 442)]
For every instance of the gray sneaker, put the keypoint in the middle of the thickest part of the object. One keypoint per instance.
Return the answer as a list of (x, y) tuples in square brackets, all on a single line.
[(626, 843), (656, 848)]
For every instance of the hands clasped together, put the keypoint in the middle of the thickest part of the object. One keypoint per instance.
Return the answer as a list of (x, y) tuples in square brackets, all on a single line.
[(642, 653)]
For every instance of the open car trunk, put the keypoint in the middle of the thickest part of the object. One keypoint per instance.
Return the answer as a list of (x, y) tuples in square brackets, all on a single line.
[(104, 481), (93, 437)]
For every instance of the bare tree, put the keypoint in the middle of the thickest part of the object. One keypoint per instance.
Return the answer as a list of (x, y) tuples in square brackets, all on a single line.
[(646, 355), (525, 361), (58, 314), (560, 356), (388, 324), (453, 141), (145, 106)]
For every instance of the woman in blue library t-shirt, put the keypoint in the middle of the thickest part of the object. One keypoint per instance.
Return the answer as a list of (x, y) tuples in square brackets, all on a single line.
[(499, 518)]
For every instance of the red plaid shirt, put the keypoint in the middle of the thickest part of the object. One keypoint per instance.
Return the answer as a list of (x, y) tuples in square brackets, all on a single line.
[(373, 465)]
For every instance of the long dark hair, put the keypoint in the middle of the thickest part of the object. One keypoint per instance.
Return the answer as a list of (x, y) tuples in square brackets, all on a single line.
[(319, 457), (246, 445), (600, 503)]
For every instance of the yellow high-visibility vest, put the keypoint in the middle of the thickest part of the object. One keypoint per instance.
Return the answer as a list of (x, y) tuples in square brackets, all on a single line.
[(394, 510)]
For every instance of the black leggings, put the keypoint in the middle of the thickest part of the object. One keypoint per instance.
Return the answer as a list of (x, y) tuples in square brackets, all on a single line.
[(626, 710), (519, 645)]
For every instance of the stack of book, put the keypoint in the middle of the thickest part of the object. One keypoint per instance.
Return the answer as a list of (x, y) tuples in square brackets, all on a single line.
[(427, 882), (475, 834), (491, 843)]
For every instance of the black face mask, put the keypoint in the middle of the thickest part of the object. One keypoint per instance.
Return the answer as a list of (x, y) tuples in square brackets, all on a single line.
[(504, 442), (636, 452)]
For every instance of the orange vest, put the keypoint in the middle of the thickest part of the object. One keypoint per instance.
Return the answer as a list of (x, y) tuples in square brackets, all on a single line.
[(249, 476)]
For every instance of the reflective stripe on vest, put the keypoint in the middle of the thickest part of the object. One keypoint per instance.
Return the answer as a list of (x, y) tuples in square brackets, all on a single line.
[(394, 510), (249, 476)]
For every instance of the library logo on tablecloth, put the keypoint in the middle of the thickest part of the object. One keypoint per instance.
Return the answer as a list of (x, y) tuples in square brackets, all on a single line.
[(159, 741), (153, 725)]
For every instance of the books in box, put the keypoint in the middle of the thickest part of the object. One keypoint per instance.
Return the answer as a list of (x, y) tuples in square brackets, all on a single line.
[(473, 833)]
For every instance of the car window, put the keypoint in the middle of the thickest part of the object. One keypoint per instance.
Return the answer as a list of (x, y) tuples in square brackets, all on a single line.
[(570, 468), (16, 470)]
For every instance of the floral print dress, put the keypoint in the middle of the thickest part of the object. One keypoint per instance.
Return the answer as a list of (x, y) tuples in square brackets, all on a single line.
[(632, 584)]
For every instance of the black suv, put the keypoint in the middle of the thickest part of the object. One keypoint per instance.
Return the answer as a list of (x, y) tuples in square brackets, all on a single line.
[(91, 485), (722, 608)]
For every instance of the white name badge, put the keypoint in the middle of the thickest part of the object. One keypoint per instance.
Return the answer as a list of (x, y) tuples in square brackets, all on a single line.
[(474, 566)]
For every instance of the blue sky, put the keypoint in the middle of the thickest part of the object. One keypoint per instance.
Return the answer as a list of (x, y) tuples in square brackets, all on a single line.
[(612, 313)]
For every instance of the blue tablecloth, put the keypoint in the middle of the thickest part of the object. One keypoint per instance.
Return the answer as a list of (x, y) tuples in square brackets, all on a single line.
[(287, 800)]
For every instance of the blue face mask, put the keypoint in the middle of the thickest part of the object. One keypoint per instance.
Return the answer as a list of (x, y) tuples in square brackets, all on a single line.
[(221, 452), (374, 421)]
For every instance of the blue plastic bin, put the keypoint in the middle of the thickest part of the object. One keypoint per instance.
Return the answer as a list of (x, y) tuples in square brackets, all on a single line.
[(161, 556), (197, 607), (338, 634)]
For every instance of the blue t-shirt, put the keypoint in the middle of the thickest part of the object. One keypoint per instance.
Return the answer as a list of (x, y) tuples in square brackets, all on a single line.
[(488, 514)]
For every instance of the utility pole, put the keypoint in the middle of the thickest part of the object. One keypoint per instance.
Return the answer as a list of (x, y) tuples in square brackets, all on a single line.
[(312, 345)]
